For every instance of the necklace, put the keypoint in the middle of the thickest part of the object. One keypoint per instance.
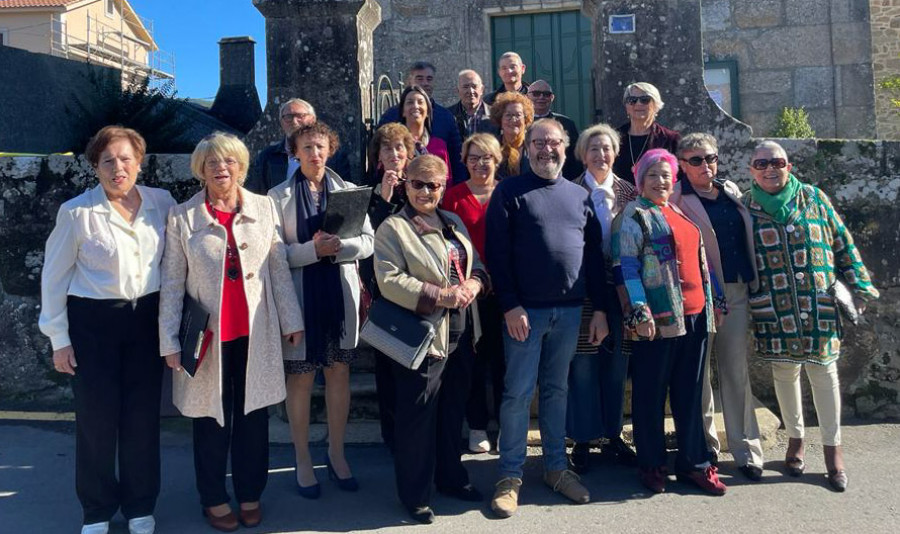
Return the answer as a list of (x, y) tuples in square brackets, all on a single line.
[(232, 260), (631, 148)]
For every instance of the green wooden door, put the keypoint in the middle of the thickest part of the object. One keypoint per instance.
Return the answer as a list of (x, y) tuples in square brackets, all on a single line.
[(556, 47)]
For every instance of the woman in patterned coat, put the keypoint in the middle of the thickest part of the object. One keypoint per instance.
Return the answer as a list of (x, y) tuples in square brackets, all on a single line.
[(801, 247)]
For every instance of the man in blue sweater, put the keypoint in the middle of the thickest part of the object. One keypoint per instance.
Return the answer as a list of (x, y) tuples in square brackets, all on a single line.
[(545, 256)]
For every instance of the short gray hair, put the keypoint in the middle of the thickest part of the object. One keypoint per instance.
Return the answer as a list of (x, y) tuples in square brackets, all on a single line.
[(648, 88), (422, 65), (596, 130), (770, 145), (696, 141), (312, 110), (547, 122), (510, 55)]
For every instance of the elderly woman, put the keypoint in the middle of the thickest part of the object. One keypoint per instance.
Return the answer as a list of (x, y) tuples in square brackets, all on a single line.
[(597, 375), (223, 248), (666, 291), (425, 262), (642, 133), (392, 148), (326, 280), (802, 248), (714, 205), (469, 200), (417, 115), (99, 304), (513, 113)]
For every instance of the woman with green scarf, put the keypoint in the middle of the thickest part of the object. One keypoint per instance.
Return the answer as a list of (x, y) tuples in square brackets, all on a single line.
[(802, 248)]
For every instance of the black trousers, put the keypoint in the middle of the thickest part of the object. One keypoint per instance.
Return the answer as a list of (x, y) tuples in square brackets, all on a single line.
[(117, 390), (386, 390), (429, 414), (246, 435), (489, 360)]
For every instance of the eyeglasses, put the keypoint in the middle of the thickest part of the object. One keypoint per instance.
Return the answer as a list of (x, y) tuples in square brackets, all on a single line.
[(763, 164), (541, 94), (431, 186), (541, 143), (632, 100), (289, 117), (484, 160), (696, 161), (215, 163), (513, 116)]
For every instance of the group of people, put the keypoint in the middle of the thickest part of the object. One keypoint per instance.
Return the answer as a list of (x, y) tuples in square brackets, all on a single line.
[(543, 257)]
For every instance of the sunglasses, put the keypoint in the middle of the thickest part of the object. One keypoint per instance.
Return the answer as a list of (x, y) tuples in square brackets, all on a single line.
[(431, 186), (763, 164), (632, 100), (696, 161), (541, 94)]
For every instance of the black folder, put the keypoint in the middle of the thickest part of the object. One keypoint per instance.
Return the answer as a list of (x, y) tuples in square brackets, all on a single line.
[(346, 211), (192, 334)]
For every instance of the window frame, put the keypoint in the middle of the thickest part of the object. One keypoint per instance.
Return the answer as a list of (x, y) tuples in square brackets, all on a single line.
[(731, 65)]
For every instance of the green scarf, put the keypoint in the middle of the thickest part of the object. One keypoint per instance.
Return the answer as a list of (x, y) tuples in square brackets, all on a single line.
[(777, 205)]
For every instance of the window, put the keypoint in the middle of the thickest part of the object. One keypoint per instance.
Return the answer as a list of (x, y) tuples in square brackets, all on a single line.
[(721, 78), (110, 7)]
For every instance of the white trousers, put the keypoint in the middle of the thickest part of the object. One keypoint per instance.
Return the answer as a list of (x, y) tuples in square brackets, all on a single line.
[(826, 394), (730, 346)]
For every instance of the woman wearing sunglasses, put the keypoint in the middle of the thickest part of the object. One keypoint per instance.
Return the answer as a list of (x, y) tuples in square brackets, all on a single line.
[(714, 205), (802, 247), (642, 133), (425, 262)]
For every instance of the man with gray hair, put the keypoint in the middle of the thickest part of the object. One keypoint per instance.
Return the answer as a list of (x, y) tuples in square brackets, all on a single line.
[(542, 97), (510, 69), (275, 163), (471, 113)]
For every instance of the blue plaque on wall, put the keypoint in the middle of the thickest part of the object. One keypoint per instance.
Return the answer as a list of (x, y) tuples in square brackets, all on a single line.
[(621, 24)]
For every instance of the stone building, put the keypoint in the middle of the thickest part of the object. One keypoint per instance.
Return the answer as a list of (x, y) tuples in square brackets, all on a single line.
[(824, 55)]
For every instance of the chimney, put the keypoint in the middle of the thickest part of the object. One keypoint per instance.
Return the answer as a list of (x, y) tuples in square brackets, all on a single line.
[(237, 102)]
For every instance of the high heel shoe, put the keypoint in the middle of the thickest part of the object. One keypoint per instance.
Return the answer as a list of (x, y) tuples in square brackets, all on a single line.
[(343, 484), (307, 492)]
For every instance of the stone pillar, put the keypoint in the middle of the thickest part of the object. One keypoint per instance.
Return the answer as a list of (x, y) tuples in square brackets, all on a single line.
[(237, 102), (320, 51), (666, 50)]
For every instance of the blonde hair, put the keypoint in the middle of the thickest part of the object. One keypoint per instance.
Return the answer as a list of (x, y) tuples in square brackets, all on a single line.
[(486, 142), (596, 130), (648, 88), (221, 145), (428, 165)]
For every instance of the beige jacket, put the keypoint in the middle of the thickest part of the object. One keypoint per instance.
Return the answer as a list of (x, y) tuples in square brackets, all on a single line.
[(302, 254), (194, 261), (408, 272), (693, 208)]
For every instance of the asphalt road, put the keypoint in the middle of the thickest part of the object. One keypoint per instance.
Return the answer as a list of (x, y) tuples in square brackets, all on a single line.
[(37, 493)]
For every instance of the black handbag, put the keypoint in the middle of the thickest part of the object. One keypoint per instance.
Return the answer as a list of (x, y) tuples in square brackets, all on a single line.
[(397, 332)]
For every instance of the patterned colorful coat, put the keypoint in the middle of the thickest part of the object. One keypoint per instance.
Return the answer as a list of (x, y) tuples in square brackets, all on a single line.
[(795, 317), (645, 271)]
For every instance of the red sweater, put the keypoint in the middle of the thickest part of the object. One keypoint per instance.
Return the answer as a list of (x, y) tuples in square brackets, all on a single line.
[(234, 316), (687, 247), (460, 200)]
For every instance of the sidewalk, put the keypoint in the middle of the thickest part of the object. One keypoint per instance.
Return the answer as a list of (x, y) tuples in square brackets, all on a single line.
[(37, 493)]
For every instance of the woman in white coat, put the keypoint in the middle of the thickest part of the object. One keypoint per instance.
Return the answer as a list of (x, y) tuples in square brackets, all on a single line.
[(326, 280), (223, 247)]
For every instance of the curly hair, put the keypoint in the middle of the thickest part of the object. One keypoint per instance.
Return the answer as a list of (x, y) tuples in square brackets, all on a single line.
[(111, 133), (498, 108), (316, 128), (389, 134)]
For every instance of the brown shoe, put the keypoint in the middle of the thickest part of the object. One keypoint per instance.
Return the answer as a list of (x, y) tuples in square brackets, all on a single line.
[(506, 497), (251, 518), (223, 523), (567, 483)]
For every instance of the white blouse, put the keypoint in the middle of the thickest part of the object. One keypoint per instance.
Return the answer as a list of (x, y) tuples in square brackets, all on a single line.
[(93, 252)]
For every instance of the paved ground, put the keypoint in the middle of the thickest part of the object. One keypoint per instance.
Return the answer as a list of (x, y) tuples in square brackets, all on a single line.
[(37, 493)]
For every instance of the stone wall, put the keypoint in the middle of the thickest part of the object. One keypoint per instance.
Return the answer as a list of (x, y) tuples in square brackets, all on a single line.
[(863, 178), (884, 17)]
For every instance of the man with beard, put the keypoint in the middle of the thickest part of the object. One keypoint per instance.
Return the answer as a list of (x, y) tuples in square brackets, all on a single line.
[(545, 255), (541, 95)]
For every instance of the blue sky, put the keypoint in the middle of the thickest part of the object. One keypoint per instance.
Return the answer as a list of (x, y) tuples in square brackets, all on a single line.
[(191, 30)]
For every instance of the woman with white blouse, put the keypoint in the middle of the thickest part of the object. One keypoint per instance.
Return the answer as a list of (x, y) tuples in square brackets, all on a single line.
[(99, 307)]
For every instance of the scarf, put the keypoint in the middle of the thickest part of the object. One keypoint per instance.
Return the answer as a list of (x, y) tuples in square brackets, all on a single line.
[(323, 301), (777, 205), (512, 154)]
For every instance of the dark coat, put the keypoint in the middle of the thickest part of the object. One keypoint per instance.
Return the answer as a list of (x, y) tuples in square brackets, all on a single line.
[(660, 137)]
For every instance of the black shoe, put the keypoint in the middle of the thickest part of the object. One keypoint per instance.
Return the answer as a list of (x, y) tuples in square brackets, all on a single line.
[(838, 480), (581, 458), (714, 458), (422, 514), (794, 466), (752, 472), (344, 484), (618, 449), (466, 493)]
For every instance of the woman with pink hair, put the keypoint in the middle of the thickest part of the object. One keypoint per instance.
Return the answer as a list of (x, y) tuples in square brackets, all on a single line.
[(666, 291)]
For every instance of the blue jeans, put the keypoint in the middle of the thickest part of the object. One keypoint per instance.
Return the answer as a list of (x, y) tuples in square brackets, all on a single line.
[(544, 357)]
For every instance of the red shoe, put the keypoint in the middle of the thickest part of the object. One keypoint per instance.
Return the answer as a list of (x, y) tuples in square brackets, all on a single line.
[(706, 479), (654, 479)]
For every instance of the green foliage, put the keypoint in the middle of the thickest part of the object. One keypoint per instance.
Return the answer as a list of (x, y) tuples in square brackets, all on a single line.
[(793, 123), (154, 112), (892, 86)]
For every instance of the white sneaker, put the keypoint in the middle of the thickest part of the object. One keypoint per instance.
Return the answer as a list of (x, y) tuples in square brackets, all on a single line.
[(142, 525), (478, 441), (96, 528)]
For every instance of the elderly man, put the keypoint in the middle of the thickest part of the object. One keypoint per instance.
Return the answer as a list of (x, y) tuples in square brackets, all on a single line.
[(545, 257), (443, 124), (472, 114), (275, 163), (541, 95), (510, 69)]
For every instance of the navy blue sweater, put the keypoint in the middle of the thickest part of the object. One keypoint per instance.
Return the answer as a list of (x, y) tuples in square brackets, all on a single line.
[(543, 244)]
